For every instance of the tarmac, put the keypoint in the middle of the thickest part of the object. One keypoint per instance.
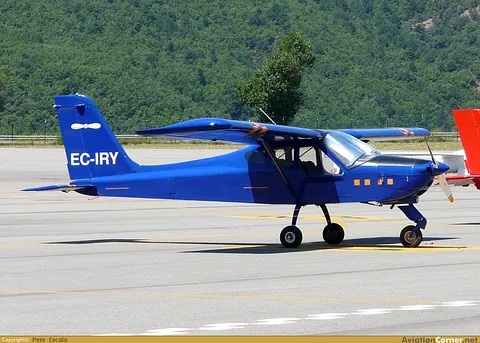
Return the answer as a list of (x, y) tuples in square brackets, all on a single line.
[(73, 265)]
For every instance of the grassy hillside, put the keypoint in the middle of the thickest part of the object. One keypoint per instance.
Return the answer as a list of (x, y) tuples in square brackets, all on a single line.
[(152, 63)]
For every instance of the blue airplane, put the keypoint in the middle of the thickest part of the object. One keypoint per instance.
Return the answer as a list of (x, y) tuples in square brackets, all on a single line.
[(279, 165)]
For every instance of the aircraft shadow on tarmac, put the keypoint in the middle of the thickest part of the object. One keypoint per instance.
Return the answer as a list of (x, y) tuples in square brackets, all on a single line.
[(466, 224), (380, 243)]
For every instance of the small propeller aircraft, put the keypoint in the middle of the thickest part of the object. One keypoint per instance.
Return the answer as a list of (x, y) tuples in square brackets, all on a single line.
[(280, 165), (467, 124)]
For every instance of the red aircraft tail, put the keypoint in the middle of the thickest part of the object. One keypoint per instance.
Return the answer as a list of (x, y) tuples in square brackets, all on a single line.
[(468, 124)]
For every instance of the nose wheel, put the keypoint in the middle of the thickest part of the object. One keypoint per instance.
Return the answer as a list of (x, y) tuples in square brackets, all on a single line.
[(411, 235), (409, 238)]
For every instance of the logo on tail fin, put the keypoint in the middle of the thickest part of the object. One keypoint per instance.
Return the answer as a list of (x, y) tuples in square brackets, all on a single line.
[(94, 126)]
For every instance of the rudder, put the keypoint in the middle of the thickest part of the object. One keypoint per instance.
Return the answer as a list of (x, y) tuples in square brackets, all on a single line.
[(91, 147), (468, 121)]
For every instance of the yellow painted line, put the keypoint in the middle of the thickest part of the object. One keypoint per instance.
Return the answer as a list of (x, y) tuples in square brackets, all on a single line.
[(397, 249), (17, 245), (361, 248), (216, 296)]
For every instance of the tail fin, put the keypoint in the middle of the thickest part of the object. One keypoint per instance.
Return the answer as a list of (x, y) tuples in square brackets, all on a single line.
[(91, 147), (468, 122)]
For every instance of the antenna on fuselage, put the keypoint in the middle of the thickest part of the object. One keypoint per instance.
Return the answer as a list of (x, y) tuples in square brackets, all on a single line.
[(267, 116)]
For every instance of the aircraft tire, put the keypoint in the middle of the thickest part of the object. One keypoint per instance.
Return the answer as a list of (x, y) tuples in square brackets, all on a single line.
[(291, 236), (333, 233), (410, 242)]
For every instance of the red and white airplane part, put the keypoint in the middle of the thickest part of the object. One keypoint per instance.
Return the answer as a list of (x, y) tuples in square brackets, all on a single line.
[(468, 125)]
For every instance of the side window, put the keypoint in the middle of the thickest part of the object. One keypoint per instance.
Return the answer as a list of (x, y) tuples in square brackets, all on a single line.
[(309, 161), (284, 156), (314, 161), (329, 166)]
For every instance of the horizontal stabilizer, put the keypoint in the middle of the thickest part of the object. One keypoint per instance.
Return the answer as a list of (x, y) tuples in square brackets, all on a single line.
[(389, 134), (63, 188)]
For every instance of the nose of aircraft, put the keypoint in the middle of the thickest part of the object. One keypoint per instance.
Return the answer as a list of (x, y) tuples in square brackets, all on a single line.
[(439, 169)]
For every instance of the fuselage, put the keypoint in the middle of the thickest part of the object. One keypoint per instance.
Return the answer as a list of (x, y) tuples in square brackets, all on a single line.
[(250, 176)]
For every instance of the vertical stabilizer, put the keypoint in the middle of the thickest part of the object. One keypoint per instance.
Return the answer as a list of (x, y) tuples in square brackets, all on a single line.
[(91, 147), (468, 128)]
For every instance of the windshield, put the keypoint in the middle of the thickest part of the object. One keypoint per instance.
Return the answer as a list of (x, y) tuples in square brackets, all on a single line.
[(348, 149)]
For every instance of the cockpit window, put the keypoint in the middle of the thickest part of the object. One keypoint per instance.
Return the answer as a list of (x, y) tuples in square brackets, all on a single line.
[(348, 149)]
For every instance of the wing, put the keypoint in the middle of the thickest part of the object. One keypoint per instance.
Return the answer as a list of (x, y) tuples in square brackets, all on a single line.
[(390, 134), (232, 131)]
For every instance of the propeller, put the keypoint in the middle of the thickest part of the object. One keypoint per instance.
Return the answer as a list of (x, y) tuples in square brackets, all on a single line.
[(442, 180)]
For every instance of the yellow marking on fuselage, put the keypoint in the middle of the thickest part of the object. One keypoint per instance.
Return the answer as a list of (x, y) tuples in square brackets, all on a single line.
[(380, 182), (389, 181), (356, 182), (366, 182)]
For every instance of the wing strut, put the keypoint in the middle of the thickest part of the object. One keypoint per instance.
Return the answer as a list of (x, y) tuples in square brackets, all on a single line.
[(282, 174)]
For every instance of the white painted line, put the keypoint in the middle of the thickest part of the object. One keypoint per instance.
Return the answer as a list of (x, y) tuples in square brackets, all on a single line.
[(284, 321), (166, 332), (459, 303), (327, 316), (417, 307), (223, 326), (373, 311), (277, 321)]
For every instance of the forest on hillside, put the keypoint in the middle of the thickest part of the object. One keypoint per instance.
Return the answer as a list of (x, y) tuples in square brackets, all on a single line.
[(150, 63)]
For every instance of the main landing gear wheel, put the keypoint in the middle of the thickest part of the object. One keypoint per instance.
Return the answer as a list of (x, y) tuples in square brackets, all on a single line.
[(410, 240), (291, 236), (333, 233)]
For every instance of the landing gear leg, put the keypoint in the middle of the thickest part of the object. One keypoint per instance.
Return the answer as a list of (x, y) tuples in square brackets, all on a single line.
[(333, 233), (291, 236), (411, 236), (325, 213)]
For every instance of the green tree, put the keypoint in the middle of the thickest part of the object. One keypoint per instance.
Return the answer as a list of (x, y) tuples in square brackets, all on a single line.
[(3, 85), (275, 86)]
